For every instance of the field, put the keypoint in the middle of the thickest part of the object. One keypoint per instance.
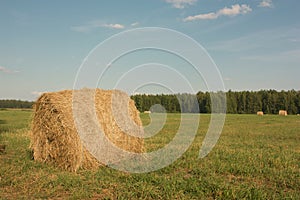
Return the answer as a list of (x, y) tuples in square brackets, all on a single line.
[(256, 157)]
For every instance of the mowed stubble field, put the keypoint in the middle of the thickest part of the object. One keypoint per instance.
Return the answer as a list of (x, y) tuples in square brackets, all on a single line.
[(256, 157)]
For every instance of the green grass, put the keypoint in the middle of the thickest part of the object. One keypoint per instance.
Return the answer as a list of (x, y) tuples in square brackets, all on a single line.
[(255, 158), (14, 119)]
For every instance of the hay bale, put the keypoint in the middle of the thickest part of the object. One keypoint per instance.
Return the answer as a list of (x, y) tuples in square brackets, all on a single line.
[(282, 112), (147, 111), (260, 113), (54, 137)]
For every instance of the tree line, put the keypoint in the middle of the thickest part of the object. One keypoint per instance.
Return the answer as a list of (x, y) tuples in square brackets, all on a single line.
[(237, 102), (10, 103)]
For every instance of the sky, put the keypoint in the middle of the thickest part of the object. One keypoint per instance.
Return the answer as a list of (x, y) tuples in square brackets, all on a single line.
[(45, 45)]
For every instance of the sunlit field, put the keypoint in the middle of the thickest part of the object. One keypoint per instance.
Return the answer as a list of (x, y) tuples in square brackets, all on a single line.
[(256, 157)]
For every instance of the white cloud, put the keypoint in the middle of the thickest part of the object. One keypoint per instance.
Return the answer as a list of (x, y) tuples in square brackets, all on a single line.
[(202, 16), (266, 3), (95, 24), (8, 71), (114, 26), (180, 4), (37, 93), (135, 24), (233, 11)]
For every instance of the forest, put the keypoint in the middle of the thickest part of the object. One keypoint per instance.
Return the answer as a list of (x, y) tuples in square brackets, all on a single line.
[(11, 103), (237, 102)]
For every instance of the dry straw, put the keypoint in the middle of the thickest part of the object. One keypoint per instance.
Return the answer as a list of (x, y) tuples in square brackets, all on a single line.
[(54, 137), (260, 113), (282, 112)]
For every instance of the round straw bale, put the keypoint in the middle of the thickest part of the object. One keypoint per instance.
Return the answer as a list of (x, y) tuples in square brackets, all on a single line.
[(260, 113), (282, 112), (54, 135)]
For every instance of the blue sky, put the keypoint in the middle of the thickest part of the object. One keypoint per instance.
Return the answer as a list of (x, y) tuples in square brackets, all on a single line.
[(255, 44)]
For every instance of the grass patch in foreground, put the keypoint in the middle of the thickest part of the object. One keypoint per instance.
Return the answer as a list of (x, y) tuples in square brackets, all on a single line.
[(255, 158)]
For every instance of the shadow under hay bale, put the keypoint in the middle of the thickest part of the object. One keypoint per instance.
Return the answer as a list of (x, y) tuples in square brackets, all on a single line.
[(54, 134), (2, 148)]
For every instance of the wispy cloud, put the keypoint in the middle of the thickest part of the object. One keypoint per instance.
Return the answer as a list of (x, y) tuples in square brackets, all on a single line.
[(180, 4), (8, 71), (288, 56), (265, 39), (239, 44), (233, 11), (135, 24), (114, 26), (37, 93), (96, 24), (227, 79), (266, 3), (294, 40)]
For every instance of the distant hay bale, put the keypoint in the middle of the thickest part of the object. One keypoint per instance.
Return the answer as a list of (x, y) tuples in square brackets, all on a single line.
[(260, 113), (147, 111), (282, 112), (54, 135)]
